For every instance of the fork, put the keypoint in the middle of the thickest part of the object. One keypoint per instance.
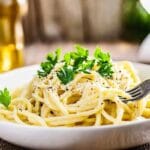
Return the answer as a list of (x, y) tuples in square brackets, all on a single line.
[(138, 92)]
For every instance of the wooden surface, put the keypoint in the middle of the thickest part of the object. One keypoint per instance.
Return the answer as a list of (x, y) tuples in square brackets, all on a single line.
[(119, 50)]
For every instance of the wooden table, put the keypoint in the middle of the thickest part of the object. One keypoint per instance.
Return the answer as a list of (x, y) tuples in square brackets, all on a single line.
[(119, 50)]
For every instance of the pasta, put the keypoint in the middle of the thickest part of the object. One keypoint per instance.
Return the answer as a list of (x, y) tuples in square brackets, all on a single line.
[(88, 100)]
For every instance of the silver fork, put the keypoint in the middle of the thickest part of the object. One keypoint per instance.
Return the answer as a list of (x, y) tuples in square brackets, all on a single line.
[(138, 92)]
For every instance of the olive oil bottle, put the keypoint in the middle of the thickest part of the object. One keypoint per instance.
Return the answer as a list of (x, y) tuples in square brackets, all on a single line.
[(11, 33)]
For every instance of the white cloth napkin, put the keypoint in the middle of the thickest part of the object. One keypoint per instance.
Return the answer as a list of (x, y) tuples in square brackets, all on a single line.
[(144, 50)]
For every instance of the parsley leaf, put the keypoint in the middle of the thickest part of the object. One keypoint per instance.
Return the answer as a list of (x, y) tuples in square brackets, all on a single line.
[(67, 58), (82, 52), (66, 74), (53, 58), (49, 64), (77, 61), (86, 66), (79, 56), (105, 70), (104, 63), (5, 97), (101, 56)]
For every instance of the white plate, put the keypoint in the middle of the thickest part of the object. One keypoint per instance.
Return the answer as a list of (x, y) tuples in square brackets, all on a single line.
[(104, 137)]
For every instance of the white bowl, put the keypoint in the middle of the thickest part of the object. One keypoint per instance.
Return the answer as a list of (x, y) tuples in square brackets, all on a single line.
[(103, 137)]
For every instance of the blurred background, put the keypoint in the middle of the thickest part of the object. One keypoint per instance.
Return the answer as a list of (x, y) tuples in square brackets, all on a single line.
[(36, 27)]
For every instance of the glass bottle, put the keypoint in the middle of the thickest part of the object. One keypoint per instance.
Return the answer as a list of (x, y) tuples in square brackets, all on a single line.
[(11, 33)]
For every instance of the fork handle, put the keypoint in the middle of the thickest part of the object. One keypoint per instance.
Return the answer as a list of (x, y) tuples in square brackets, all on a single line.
[(146, 84)]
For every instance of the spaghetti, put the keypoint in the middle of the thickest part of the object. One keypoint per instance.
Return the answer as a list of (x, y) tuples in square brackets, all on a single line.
[(88, 100)]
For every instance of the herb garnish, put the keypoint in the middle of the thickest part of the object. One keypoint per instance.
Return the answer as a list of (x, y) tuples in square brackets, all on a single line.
[(66, 74), (49, 64), (104, 63), (77, 61), (5, 97)]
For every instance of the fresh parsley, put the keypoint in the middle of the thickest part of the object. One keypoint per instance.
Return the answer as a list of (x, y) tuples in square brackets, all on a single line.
[(49, 64), (79, 56), (105, 70), (66, 74), (5, 97), (86, 66), (104, 63), (77, 61)]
